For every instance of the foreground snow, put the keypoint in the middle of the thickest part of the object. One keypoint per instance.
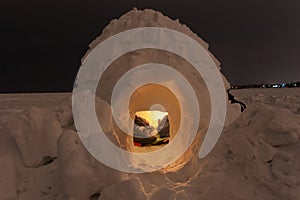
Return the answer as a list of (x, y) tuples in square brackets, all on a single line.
[(257, 156)]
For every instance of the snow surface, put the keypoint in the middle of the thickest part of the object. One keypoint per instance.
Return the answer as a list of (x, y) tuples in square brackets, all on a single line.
[(257, 156)]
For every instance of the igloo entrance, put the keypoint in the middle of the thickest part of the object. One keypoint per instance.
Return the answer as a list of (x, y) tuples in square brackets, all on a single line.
[(151, 128)]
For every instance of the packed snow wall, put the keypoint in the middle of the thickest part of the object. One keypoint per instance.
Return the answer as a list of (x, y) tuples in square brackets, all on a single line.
[(148, 95)]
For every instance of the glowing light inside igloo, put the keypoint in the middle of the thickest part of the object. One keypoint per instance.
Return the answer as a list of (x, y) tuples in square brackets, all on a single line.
[(151, 128)]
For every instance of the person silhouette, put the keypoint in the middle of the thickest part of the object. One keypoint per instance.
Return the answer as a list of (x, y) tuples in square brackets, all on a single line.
[(233, 100)]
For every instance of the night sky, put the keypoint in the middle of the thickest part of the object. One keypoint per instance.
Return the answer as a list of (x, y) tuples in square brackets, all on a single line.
[(43, 41)]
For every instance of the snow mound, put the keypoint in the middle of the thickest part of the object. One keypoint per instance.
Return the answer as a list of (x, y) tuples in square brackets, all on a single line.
[(35, 131), (255, 158)]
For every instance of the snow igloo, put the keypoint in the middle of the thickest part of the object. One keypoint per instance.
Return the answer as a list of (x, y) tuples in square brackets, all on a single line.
[(152, 97)]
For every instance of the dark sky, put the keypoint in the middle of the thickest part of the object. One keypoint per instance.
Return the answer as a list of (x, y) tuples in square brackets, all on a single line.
[(43, 41)]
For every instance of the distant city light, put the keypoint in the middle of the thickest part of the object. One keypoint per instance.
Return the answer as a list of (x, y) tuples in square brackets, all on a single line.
[(275, 85)]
